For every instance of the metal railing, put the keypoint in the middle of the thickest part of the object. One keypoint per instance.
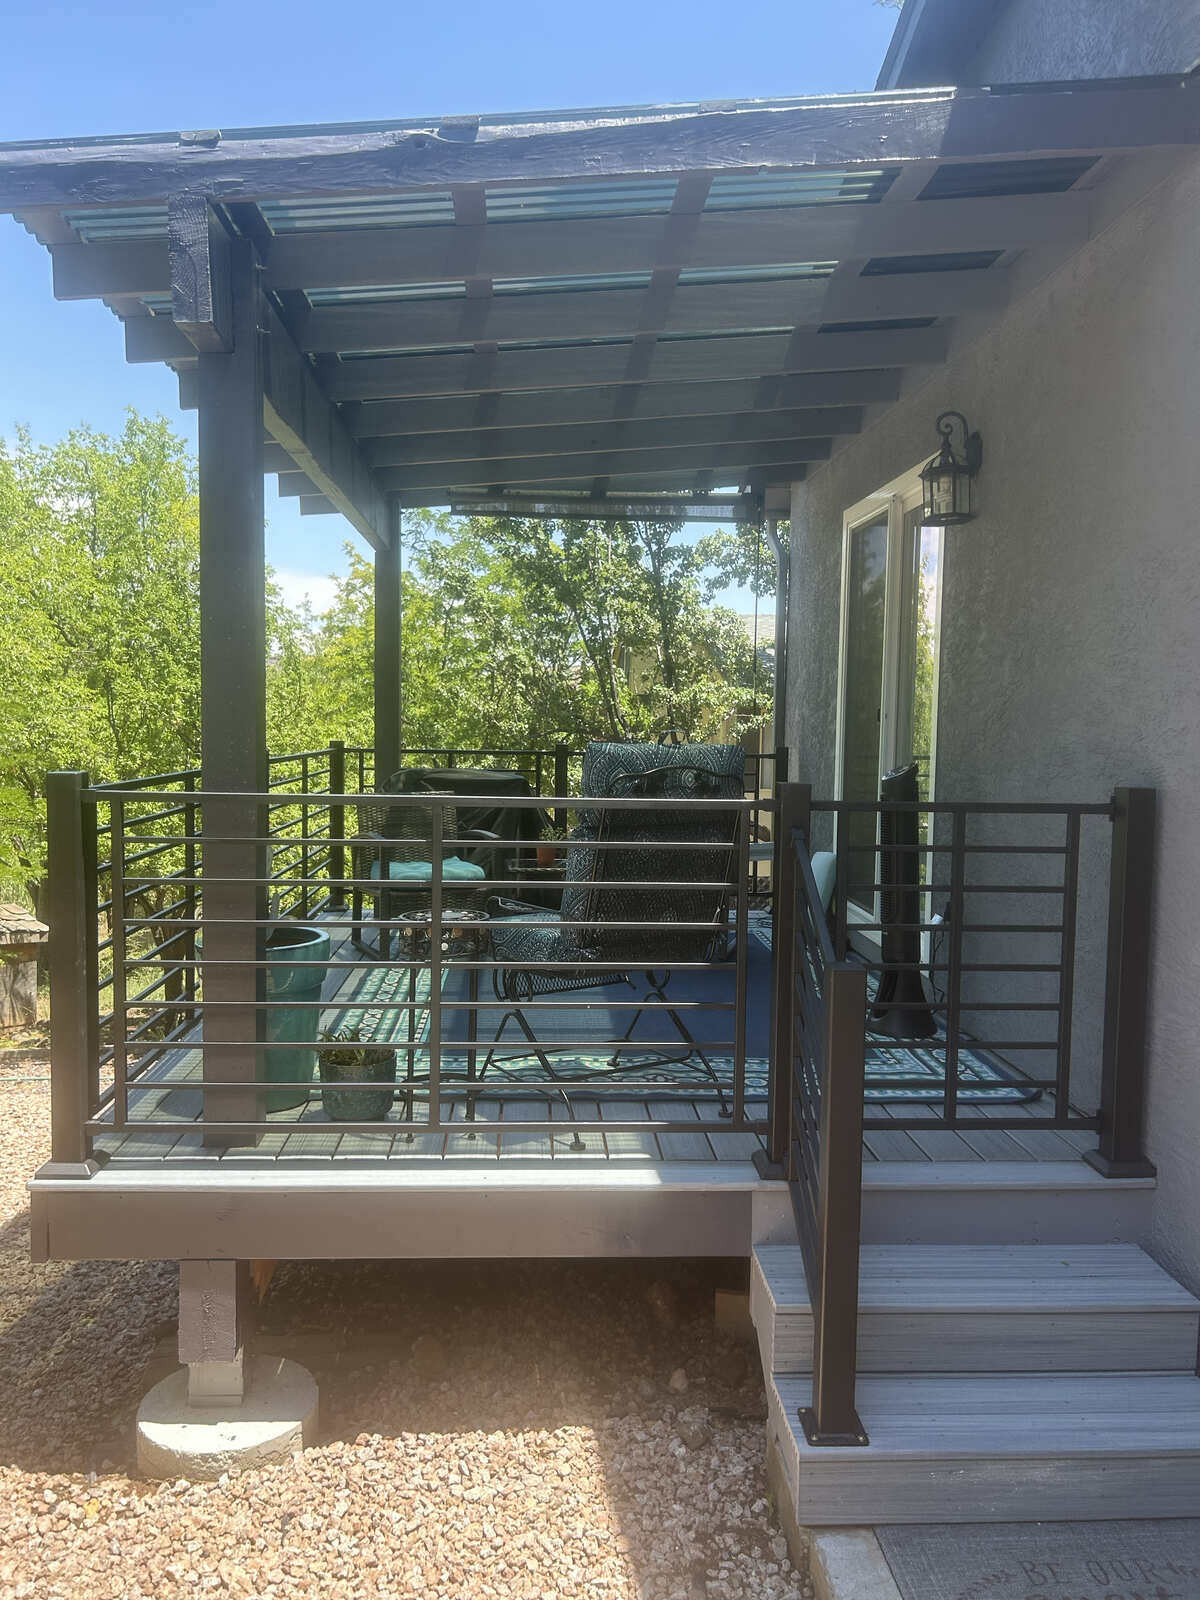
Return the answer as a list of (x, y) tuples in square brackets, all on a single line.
[(827, 1025), (168, 848)]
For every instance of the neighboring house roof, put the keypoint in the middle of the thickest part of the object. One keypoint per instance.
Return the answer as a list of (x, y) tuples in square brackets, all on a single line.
[(934, 40)]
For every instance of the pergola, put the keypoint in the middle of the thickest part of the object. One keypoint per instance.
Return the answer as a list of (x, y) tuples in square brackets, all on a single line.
[(669, 310)]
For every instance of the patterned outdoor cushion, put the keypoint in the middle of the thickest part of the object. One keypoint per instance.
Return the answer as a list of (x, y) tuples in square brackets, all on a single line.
[(605, 765)]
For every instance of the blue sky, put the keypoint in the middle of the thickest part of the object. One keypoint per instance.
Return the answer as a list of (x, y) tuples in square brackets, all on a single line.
[(132, 67)]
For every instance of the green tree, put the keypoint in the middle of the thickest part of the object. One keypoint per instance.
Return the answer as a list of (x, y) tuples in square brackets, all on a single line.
[(99, 647)]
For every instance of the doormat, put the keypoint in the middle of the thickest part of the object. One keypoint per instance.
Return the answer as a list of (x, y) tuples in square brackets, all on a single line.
[(1046, 1560)]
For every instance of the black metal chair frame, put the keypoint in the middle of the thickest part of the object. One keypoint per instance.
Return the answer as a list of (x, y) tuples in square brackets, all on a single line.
[(389, 832), (515, 984)]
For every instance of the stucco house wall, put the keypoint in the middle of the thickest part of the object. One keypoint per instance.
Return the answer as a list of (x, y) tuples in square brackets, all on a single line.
[(1040, 41), (1070, 655)]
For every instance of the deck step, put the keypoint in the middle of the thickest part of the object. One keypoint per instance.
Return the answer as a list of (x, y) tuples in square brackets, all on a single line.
[(949, 1448), (988, 1309)]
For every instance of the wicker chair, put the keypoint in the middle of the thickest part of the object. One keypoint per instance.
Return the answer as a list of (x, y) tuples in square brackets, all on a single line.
[(392, 835)]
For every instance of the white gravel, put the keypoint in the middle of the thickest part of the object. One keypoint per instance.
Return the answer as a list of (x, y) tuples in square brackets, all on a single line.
[(509, 1430)]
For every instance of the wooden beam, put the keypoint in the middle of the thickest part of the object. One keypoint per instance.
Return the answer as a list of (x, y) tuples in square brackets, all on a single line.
[(298, 414), (129, 267), (548, 469), (699, 308), (233, 665), (362, 257), (387, 660), (198, 249), (830, 132), (720, 508), (497, 443), (276, 458), (677, 361), (156, 339), (467, 413), (751, 479)]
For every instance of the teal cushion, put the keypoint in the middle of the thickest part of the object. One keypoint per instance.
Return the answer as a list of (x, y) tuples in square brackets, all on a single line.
[(422, 871)]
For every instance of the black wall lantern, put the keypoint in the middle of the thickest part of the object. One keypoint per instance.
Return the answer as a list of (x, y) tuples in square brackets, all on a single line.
[(948, 481)]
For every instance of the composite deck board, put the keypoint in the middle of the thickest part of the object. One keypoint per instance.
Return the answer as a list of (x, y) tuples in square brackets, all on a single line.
[(935, 1143), (628, 1146), (681, 1146), (727, 1145), (980, 1308), (519, 1144), (473, 1140)]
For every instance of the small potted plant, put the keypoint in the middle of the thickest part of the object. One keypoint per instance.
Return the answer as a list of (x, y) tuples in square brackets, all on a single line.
[(345, 1057), (548, 845)]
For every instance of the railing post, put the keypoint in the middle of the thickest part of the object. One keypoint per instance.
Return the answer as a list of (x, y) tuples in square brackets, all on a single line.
[(1123, 1059), (561, 781), (793, 803), (74, 1041), (832, 1418), (337, 825)]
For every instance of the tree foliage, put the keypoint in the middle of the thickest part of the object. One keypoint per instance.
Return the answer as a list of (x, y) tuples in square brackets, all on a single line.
[(99, 645), (515, 632)]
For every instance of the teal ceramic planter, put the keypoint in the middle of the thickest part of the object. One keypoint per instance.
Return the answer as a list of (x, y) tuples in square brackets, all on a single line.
[(289, 1024)]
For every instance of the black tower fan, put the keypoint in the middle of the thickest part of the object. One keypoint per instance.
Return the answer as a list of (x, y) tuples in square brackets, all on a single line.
[(901, 1010)]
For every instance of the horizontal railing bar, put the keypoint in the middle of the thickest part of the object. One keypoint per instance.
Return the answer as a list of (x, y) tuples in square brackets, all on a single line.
[(275, 880), (457, 1005), (515, 802), (452, 1047), (950, 808), (449, 926), (459, 965), (1082, 1124), (402, 1129)]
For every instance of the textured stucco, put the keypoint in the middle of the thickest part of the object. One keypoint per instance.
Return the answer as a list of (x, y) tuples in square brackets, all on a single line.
[(1071, 625), (1039, 41)]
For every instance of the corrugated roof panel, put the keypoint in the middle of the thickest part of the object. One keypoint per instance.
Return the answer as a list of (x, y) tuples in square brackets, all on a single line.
[(581, 344), (550, 202), (944, 261), (387, 292), (772, 274), (985, 180), (573, 283), (878, 325), (119, 222), (420, 209), (746, 191)]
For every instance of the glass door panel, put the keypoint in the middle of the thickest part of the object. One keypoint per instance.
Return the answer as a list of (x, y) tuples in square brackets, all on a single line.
[(866, 596)]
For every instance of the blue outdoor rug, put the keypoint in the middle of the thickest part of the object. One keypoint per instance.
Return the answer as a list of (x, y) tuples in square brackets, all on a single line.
[(982, 1077)]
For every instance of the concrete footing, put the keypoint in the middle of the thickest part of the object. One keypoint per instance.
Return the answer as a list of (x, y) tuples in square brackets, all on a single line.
[(278, 1415)]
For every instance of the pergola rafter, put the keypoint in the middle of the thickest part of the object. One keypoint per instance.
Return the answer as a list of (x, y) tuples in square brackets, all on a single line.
[(585, 298)]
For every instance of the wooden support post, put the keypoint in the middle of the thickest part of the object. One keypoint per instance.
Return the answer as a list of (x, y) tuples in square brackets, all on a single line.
[(74, 1034), (233, 698), (198, 247), (1123, 1059), (388, 691), (792, 819), (214, 1299)]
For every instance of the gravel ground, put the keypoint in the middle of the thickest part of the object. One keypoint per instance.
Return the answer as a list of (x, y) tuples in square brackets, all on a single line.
[(513, 1430)]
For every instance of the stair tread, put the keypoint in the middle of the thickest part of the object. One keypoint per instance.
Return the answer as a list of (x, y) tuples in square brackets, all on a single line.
[(1024, 1416), (972, 1278)]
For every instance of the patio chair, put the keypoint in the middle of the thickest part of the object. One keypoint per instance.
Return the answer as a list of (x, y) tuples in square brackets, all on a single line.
[(596, 892), (394, 846)]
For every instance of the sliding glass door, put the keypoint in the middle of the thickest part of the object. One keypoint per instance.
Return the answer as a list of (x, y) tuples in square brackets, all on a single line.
[(887, 700)]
